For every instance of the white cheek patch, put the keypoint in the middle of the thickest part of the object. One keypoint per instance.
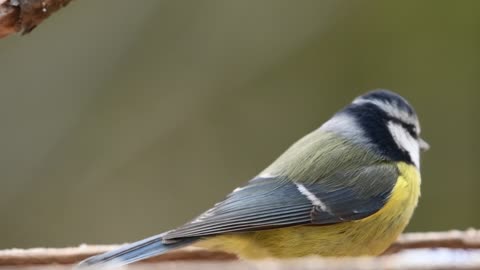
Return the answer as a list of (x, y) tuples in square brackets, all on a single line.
[(405, 141)]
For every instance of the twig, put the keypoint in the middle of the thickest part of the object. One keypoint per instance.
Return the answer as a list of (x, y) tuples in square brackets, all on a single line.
[(24, 15)]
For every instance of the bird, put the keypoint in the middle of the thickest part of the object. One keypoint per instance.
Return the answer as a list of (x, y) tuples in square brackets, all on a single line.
[(348, 188)]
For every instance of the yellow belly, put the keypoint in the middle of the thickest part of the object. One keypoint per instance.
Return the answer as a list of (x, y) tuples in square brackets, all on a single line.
[(369, 236)]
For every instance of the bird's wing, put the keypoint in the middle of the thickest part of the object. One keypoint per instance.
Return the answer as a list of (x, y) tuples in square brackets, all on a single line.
[(273, 202)]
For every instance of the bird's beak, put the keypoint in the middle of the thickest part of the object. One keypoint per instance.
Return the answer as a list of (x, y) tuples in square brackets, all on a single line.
[(424, 146)]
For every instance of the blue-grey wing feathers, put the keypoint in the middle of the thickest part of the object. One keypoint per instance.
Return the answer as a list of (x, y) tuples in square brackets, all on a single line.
[(136, 251), (274, 202)]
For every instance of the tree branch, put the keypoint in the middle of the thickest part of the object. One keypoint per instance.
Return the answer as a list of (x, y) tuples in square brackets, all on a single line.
[(407, 246), (24, 15)]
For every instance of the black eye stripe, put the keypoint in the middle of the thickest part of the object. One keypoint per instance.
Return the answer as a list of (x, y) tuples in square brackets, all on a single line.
[(374, 122), (408, 127)]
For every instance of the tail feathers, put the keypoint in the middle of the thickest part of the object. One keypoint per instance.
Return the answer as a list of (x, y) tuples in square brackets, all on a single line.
[(137, 251)]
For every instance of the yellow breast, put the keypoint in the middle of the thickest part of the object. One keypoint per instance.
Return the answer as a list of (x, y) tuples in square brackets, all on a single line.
[(368, 236)]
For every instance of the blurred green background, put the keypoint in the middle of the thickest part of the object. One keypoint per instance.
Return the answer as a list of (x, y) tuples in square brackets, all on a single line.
[(121, 119)]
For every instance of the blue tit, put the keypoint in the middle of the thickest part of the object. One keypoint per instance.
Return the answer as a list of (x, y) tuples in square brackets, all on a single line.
[(348, 188)]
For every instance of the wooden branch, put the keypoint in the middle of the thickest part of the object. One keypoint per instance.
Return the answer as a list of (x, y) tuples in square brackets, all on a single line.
[(46, 256), (469, 239), (408, 245), (24, 15)]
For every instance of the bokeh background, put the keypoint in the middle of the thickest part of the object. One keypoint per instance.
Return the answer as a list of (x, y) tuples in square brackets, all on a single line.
[(121, 119)]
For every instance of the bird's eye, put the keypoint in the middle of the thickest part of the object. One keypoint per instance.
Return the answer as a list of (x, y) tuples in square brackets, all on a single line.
[(411, 129)]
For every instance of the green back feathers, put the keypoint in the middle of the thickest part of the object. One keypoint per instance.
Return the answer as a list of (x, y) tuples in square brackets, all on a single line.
[(320, 154)]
